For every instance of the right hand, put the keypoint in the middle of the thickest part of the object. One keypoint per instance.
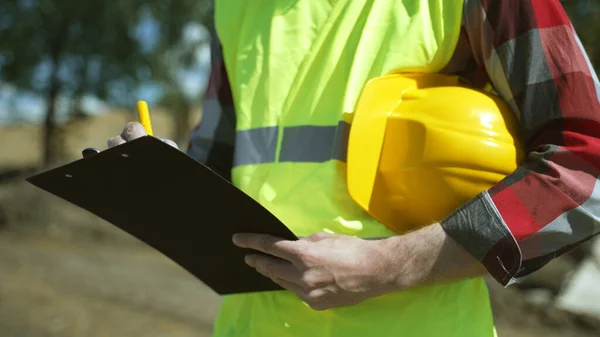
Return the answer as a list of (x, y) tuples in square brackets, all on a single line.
[(131, 131)]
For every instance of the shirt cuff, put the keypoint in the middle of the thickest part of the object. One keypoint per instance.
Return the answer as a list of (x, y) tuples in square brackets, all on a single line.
[(479, 228)]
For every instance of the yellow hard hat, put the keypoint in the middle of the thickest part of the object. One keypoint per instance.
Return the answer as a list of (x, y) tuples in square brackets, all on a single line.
[(421, 145)]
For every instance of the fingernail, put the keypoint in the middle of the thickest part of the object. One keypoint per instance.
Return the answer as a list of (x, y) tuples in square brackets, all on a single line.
[(235, 238), (249, 260)]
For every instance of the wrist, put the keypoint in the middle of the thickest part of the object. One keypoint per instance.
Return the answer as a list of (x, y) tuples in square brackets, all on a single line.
[(382, 265), (412, 257), (426, 256), (393, 252)]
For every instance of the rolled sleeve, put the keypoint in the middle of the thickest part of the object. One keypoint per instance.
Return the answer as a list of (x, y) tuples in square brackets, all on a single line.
[(551, 203)]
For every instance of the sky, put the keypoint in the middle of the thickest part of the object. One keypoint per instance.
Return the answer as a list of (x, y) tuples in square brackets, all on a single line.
[(29, 108)]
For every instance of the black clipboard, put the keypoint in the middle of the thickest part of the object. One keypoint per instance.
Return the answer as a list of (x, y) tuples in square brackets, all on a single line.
[(173, 203)]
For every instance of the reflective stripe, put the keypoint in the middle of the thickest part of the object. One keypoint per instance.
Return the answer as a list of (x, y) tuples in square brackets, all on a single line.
[(255, 146), (340, 152), (300, 144), (217, 126)]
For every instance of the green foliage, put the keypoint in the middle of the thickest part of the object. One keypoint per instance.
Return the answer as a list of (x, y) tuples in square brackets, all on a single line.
[(89, 45), (585, 16), (71, 48), (81, 45)]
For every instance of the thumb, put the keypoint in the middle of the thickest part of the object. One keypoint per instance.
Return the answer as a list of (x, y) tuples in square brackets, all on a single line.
[(133, 130)]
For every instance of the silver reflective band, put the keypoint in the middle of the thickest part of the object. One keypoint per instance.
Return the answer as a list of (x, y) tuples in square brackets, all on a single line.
[(300, 144), (255, 146)]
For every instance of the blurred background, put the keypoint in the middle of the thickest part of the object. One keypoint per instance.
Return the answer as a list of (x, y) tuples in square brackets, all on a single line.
[(70, 74)]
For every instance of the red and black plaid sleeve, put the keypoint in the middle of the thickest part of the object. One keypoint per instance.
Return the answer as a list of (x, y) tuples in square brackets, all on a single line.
[(551, 204)]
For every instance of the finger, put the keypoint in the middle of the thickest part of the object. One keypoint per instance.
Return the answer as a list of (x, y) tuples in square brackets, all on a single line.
[(318, 299), (169, 142), (114, 141), (275, 268), (268, 244), (172, 143), (133, 130), (299, 291)]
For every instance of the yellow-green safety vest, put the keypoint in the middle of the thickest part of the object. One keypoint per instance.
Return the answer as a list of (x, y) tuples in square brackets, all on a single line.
[(296, 69)]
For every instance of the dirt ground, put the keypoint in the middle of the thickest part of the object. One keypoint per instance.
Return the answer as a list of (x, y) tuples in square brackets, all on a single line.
[(62, 288), (69, 274), (57, 287)]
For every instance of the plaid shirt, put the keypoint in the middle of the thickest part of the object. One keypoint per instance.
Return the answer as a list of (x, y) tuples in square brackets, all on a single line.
[(529, 52)]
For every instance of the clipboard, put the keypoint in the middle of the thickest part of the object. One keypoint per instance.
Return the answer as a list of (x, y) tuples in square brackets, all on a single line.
[(173, 203)]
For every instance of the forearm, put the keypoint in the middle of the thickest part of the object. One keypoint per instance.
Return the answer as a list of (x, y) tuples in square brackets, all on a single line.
[(428, 256)]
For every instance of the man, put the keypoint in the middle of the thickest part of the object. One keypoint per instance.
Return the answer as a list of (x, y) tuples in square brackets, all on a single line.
[(286, 74)]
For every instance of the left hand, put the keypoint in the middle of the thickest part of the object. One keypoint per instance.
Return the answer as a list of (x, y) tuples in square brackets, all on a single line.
[(324, 270), (132, 131)]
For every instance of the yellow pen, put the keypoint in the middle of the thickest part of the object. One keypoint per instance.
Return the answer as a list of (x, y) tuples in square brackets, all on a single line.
[(144, 116)]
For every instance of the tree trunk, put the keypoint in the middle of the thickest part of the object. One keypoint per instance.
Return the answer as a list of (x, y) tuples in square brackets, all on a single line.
[(182, 122), (52, 142)]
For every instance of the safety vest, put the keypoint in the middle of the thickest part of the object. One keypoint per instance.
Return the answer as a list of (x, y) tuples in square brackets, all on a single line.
[(296, 69)]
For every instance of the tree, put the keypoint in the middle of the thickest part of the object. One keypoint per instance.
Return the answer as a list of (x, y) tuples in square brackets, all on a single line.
[(585, 16), (72, 48), (178, 52), (66, 47)]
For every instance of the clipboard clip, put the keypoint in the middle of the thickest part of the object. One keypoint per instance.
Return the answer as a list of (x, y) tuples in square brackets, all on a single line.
[(88, 152)]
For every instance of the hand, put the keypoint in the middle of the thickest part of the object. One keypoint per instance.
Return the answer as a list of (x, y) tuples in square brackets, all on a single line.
[(131, 131), (324, 270), (328, 270)]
